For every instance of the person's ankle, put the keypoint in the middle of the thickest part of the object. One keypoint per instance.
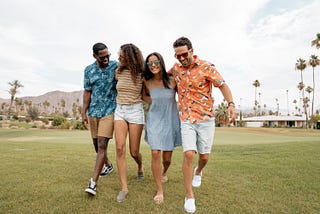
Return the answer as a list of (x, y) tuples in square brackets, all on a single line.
[(188, 196)]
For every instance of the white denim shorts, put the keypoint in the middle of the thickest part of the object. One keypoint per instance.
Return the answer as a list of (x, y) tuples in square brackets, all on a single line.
[(130, 113), (198, 136)]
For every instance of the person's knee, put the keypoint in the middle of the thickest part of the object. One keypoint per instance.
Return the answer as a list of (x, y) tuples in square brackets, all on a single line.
[(204, 157), (134, 154), (189, 155), (156, 155), (102, 144), (166, 162), (120, 150)]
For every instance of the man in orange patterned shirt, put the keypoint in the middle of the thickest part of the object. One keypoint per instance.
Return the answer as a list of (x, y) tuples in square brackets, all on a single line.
[(194, 78)]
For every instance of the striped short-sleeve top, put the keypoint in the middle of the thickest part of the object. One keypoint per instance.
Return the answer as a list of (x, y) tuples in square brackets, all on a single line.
[(128, 92)]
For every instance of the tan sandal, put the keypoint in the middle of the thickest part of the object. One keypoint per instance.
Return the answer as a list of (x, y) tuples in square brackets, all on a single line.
[(164, 178), (158, 199)]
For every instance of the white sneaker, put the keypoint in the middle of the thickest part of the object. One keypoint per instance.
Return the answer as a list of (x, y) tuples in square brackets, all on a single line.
[(92, 188), (106, 170), (189, 205), (196, 181)]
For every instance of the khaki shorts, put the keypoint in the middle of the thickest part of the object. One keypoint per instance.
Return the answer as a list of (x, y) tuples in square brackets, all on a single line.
[(101, 126)]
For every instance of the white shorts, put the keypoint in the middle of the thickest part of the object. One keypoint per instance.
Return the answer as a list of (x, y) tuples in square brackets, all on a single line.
[(130, 113), (198, 136)]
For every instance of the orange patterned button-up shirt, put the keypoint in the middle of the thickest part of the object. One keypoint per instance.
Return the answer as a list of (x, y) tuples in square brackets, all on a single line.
[(195, 89)]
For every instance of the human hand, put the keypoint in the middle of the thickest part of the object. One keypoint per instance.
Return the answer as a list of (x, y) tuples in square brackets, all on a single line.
[(85, 121)]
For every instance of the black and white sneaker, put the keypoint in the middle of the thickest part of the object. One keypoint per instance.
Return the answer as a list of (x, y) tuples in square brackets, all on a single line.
[(92, 188), (106, 170)]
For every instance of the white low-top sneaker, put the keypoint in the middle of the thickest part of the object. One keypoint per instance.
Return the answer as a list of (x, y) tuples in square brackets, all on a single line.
[(189, 205), (196, 181)]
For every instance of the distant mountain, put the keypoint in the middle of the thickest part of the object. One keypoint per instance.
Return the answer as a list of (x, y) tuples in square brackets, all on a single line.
[(54, 98)]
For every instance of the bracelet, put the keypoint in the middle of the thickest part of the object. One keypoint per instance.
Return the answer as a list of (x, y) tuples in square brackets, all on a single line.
[(231, 103)]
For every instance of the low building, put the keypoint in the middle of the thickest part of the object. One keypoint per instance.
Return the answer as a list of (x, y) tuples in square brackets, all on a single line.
[(275, 121)]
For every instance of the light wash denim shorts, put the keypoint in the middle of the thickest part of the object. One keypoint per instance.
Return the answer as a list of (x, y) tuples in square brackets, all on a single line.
[(198, 136), (130, 113)]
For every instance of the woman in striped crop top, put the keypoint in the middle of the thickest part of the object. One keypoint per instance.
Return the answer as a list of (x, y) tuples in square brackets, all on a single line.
[(129, 113)]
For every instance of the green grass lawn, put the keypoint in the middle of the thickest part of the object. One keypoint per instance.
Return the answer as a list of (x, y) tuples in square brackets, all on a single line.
[(250, 171)]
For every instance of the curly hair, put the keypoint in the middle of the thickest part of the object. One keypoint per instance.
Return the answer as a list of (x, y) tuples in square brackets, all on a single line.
[(134, 59), (182, 41), (149, 75)]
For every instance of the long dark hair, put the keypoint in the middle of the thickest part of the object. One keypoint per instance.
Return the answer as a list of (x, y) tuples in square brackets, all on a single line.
[(163, 73), (134, 61)]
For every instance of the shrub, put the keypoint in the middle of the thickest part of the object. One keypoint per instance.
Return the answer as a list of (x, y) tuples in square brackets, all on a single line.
[(78, 125), (58, 120), (45, 121), (33, 112), (28, 119), (65, 125)]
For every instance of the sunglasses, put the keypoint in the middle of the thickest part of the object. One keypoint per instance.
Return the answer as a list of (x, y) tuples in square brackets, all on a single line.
[(157, 62), (184, 55), (103, 57)]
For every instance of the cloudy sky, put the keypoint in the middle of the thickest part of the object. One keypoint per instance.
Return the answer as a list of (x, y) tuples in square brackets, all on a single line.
[(46, 44)]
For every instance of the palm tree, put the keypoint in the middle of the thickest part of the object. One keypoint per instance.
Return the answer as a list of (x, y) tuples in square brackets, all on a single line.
[(221, 114), (63, 105), (295, 104), (300, 87), (256, 84), (316, 41), (15, 85), (306, 104), (259, 105), (3, 105), (46, 105), (277, 103), (301, 65), (264, 109), (74, 110), (313, 62), (28, 104), (309, 90), (18, 104), (80, 107)]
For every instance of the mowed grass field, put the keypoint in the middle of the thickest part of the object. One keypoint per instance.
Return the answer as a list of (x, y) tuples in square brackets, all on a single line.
[(251, 170)]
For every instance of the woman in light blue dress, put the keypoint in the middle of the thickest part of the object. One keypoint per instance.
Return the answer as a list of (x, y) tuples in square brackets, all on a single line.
[(162, 131)]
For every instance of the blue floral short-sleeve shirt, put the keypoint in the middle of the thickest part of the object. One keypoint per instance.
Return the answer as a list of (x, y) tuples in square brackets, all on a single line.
[(102, 84)]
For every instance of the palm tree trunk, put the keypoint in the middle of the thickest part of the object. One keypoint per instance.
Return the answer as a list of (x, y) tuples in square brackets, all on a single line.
[(312, 91), (10, 106), (304, 105), (255, 101)]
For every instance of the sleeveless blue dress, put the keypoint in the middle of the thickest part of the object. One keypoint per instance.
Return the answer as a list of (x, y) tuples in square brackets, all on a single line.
[(162, 130)]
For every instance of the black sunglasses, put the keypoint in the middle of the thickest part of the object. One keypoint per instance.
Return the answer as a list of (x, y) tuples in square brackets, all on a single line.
[(103, 57), (184, 55)]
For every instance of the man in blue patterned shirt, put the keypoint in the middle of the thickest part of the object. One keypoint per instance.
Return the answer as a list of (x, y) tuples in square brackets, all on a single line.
[(99, 103)]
